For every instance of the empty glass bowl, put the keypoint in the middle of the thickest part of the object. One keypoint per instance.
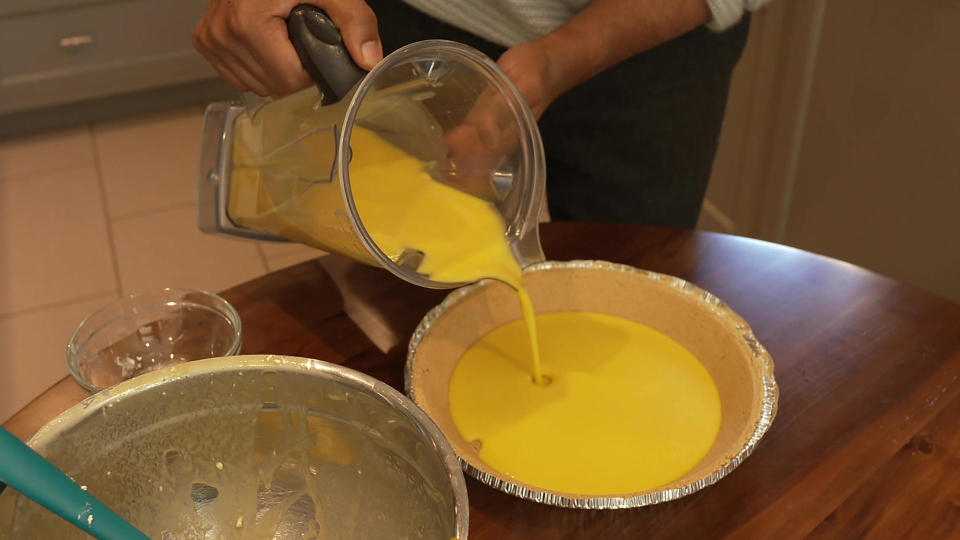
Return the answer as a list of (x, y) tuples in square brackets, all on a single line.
[(149, 330)]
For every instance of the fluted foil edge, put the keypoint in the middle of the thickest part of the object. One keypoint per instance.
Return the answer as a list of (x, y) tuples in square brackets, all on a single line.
[(761, 358)]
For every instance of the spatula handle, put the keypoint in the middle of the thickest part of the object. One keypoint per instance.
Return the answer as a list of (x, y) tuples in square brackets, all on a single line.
[(32, 475)]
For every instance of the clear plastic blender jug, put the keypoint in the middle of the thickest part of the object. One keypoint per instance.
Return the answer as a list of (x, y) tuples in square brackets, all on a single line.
[(283, 170)]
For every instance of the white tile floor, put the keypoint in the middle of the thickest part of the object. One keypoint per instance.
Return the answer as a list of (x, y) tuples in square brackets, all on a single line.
[(90, 213)]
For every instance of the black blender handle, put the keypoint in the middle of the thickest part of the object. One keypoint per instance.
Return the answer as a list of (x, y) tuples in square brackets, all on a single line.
[(322, 52)]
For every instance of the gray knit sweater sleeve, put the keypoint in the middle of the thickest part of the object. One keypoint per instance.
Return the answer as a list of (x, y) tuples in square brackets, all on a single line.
[(510, 22)]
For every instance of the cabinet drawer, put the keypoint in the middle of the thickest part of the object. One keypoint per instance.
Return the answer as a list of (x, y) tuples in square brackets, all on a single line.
[(80, 37), (86, 51)]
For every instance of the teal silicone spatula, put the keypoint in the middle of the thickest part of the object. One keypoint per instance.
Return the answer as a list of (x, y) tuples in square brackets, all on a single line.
[(29, 473)]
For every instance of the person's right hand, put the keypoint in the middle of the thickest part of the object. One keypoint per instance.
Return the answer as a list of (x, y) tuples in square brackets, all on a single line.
[(247, 43)]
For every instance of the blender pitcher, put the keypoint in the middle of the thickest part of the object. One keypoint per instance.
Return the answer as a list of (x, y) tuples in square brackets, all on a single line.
[(281, 169)]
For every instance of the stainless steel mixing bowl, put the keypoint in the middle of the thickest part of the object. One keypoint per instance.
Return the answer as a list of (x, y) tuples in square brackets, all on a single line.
[(253, 447)]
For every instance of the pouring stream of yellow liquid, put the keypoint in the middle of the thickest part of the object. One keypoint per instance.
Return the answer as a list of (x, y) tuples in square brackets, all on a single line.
[(461, 236)]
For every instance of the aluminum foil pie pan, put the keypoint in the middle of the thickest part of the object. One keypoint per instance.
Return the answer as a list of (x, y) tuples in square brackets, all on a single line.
[(723, 342)]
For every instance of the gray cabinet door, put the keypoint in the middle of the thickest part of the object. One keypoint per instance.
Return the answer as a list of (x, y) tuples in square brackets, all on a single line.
[(83, 51)]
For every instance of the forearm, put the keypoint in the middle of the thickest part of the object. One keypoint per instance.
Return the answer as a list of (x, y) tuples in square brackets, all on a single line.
[(607, 32)]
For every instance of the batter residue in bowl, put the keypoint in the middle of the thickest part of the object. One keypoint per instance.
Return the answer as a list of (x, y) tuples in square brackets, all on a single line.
[(626, 408)]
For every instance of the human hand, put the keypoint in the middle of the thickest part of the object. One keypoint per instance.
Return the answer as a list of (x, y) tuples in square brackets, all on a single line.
[(479, 144), (530, 68), (247, 42), (489, 133)]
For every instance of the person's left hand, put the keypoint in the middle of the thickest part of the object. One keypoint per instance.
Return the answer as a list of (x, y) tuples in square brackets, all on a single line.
[(529, 67), (489, 127), (489, 131)]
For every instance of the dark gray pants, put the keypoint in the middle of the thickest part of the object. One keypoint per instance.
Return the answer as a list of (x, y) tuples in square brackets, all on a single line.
[(635, 143)]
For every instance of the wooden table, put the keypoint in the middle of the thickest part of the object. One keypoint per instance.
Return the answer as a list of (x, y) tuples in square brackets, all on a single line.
[(866, 442)]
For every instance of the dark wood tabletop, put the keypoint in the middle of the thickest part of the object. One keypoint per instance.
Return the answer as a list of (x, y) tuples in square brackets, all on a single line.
[(866, 442)]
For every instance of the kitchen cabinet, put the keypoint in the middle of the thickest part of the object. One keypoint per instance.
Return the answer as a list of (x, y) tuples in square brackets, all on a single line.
[(56, 52)]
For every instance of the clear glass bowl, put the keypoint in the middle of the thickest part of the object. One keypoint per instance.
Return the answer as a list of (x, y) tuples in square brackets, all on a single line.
[(149, 330)]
